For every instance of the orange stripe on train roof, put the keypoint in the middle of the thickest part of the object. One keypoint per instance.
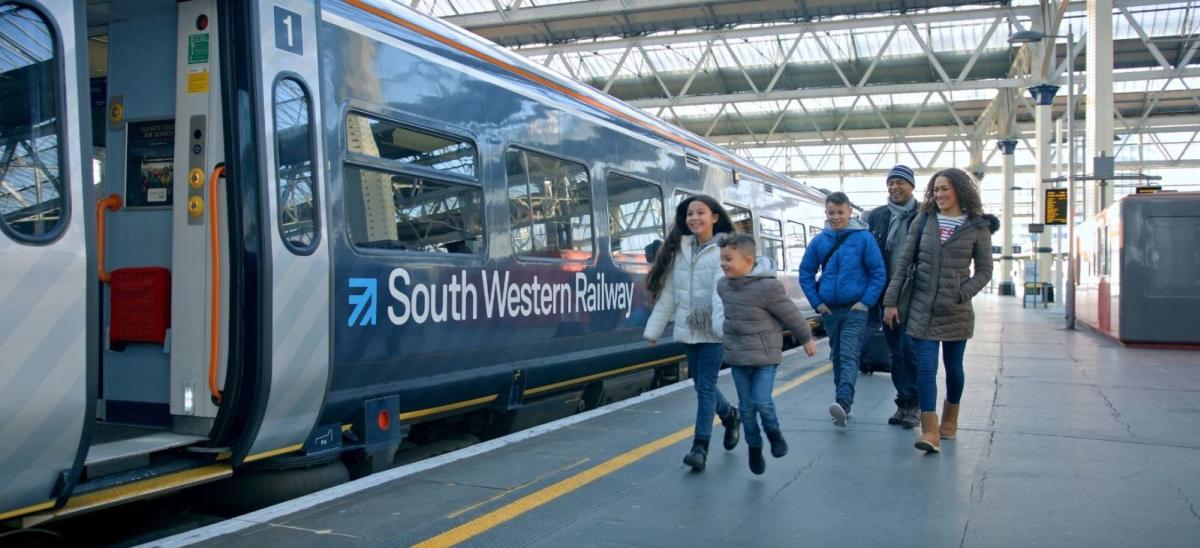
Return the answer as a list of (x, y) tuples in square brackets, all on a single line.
[(360, 4)]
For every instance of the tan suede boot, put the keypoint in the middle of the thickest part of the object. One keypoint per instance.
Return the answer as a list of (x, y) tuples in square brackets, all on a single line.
[(929, 433), (949, 420)]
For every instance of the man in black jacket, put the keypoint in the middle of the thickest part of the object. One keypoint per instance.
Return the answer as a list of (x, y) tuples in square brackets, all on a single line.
[(889, 224)]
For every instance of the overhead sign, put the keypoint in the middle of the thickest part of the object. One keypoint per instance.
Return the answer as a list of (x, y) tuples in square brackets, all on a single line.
[(1036, 228), (1149, 189), (1056, 206)]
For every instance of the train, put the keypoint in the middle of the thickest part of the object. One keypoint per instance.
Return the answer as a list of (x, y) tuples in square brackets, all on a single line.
[(1138, 269), (251, 236)]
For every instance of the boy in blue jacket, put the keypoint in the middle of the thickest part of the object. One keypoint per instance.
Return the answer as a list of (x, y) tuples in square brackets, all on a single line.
[(852, 279)]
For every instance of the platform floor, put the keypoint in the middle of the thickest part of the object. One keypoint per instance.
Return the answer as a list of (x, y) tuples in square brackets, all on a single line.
[(1066, 439)]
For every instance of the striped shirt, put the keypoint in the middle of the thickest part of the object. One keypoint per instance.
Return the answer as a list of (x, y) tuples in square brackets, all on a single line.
[(947, 225)]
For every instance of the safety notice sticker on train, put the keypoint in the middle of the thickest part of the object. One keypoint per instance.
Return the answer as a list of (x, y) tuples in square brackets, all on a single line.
[(197, 80), (197, 50)]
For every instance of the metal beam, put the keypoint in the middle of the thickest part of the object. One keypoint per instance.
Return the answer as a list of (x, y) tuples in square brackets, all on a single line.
[(956, 16), (888, 89), (1024, 168)]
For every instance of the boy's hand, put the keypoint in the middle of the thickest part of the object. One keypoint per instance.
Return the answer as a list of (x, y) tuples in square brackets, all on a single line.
[(859, 306), (891, 316), (810, 348), (823, 309), (652, 341)]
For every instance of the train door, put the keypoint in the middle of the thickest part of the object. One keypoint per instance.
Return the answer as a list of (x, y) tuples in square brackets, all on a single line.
[(162, 227), (297, 267), (44, 300)]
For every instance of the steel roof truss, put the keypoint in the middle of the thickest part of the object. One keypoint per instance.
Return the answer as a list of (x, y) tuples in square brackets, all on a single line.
[(738, 62), (617, 69), (966, 71)]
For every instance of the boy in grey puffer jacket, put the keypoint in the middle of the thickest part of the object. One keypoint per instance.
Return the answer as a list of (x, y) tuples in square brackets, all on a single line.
[(756, 311)]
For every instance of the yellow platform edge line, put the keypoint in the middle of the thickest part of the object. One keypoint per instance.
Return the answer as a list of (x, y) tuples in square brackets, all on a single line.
[(514, 509)]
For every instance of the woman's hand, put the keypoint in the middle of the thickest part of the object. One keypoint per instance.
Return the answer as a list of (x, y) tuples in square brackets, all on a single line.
[(652, 341), (891, 316), (810, 348)]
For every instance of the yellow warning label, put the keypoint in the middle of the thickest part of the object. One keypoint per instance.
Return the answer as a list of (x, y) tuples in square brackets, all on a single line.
[(197, 81)]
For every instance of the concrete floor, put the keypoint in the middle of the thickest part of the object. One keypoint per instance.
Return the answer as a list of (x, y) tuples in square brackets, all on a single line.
[(1066, 439)]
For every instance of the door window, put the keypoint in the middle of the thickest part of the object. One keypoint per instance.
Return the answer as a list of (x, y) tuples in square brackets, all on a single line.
[(294, 167), (33, 201)]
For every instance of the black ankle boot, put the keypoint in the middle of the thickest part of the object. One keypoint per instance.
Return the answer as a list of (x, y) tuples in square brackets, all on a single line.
[(697, 457), (758, 464), (733, 429), (779, 445)]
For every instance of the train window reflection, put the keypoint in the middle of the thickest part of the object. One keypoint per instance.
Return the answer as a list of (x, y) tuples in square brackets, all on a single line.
[(294, 166), (33, 203), (796, 242), (771, 231), (401, 212), (550, 206), (741, 219), (391, 141), (635, 213)]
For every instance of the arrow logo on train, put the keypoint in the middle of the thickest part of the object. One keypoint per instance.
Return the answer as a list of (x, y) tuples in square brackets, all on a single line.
[(363, 302)]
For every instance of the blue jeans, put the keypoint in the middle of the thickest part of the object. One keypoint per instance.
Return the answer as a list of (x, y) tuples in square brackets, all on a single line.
[(754, 386), (904, 365), (704, 363), (845, 328), (927, 362)]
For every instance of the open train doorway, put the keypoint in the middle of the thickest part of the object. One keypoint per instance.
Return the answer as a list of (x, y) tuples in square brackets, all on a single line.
[(162, 228)]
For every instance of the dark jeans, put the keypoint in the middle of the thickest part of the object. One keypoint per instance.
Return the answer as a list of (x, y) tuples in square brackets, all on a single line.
[(927, 361), (904, 365), (754, 386), (845, 328), (704, 363)]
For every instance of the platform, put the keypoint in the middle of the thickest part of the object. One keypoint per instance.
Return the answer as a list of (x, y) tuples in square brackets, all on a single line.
[(1066, 439)]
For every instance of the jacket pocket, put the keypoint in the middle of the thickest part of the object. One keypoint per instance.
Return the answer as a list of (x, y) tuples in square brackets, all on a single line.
[(958, 287)]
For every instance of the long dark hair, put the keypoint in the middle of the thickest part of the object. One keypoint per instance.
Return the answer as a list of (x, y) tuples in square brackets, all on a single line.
[(666, 254), (964, 186)]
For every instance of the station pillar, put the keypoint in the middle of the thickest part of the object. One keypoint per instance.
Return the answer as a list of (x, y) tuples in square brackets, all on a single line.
[(1043, 95), (1007, 147), (1100, 93)]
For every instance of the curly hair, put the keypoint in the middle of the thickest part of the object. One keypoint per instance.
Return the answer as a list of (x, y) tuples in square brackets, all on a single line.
[(665, 257), (964, 187)]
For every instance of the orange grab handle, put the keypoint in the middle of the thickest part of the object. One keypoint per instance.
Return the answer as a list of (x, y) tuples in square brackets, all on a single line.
[(215, 292), (112, 202)]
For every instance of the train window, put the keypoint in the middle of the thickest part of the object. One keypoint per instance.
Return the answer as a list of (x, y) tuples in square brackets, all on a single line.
[(771, 238), (294, 166), (813, 230), (33, 200), (403, 212), (549, 206), (635, 213), (796, 242), (741, 219), (391, 141)]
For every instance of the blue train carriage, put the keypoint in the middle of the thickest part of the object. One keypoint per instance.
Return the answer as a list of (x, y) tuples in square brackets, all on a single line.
[(255, 235)]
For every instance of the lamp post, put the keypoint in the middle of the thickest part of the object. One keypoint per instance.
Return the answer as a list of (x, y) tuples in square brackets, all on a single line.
[(1029, 36)]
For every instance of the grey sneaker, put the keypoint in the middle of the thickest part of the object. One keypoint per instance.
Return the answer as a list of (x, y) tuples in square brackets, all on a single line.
[(898, 416), (838, 413), (911, 418)]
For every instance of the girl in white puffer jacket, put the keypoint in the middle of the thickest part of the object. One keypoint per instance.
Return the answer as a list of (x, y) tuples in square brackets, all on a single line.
[(683, 283)]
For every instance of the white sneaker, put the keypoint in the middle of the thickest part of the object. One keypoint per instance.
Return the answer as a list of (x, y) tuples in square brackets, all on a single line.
[(838, 414)]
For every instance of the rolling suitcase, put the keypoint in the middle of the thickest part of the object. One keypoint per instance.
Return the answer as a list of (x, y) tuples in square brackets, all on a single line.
[(875, 356)]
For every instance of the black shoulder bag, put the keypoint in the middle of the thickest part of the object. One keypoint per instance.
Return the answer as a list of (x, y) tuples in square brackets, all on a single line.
[(906, 289), (836, 244)]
